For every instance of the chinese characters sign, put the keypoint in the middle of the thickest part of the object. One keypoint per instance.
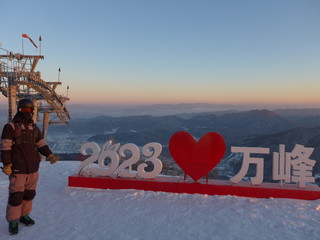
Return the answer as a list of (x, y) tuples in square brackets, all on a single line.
[(295, 166)]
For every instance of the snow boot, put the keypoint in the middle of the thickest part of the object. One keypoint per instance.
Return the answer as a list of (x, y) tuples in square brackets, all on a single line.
[(26, 220), (13, 227)]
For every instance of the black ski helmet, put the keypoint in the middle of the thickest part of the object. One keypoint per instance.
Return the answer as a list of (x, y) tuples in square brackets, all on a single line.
[(25, 103)]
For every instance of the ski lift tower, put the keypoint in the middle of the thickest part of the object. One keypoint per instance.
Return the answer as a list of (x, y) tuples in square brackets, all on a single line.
[(19, 79)]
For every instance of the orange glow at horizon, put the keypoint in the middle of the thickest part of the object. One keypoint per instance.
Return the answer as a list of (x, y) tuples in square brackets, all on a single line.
[(222, 95)]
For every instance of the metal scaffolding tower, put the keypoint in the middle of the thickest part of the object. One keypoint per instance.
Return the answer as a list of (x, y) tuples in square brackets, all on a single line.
[(18, 80)]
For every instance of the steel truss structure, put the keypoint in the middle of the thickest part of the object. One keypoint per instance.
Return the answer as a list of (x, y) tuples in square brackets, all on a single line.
[(19, 79)]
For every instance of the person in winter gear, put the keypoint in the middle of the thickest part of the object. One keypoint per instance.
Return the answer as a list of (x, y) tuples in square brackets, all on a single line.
[(21, 143)]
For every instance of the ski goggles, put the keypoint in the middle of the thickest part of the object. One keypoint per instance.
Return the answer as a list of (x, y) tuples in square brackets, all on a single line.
[(26, 109)]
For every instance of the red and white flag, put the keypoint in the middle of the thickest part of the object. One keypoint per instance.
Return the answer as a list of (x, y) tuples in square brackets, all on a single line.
[(26, 36)]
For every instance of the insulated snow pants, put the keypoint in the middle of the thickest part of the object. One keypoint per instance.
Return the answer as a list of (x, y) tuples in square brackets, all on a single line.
[(22, 190)]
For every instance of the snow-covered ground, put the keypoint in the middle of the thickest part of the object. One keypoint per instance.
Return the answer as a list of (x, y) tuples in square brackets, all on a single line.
[(73, 214)]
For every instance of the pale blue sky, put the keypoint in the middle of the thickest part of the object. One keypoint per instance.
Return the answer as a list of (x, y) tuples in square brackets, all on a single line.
[(134, 51)]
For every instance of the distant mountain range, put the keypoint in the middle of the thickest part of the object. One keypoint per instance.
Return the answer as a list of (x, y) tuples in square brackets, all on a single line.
[(182, 109), (85, 110), (236, 127), (254, 128)]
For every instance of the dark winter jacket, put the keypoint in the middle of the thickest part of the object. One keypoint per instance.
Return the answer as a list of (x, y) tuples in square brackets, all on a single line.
[(21, 143)]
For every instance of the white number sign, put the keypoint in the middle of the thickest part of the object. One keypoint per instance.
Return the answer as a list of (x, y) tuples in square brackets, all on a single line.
[(113, 153)]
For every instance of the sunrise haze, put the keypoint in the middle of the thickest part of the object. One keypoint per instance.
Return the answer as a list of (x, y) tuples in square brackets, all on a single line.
[(177, 51)]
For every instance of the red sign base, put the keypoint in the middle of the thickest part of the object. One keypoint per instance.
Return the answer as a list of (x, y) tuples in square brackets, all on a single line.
[(212, 187)]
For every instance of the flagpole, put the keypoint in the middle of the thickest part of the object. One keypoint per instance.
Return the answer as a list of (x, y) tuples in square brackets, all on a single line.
[(59, 75), (22, 46), (40, 41)]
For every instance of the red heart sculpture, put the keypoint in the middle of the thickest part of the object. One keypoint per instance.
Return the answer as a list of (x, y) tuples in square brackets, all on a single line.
[(197, 159)]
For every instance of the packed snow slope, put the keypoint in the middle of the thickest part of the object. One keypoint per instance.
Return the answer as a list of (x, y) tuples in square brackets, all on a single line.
[(67, 213)]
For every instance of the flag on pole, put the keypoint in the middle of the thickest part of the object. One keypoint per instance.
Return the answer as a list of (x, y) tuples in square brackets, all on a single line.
[(26, 36)]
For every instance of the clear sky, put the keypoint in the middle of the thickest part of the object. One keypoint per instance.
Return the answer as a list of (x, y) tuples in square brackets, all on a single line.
[(173, 51)]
